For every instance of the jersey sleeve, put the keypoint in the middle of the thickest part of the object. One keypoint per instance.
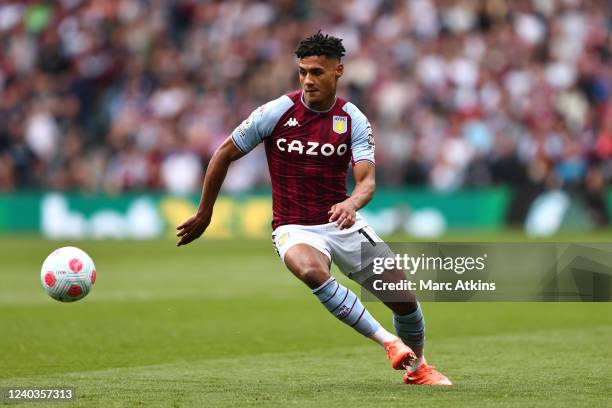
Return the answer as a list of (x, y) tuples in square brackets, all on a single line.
[(362, 138), (260, 124)]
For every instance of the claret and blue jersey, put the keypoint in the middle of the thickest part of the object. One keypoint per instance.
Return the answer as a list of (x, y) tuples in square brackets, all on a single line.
[(308, 153)]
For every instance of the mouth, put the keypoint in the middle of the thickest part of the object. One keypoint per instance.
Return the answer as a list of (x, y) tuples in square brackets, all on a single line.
[(311, 91)]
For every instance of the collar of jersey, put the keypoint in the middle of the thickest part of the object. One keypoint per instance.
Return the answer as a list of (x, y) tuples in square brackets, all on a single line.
[(314, 110)]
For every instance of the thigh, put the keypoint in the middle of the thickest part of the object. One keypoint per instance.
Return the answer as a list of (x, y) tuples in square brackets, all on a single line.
[(304, 252)]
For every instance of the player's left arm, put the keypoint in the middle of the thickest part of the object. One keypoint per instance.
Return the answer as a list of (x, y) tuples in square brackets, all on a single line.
[(345, 212)]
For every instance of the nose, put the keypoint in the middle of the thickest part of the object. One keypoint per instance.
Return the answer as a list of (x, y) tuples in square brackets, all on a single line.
[(308, 80)]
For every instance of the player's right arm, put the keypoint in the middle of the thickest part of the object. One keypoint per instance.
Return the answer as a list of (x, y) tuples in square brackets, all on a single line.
[(244, 138), (195, 226)]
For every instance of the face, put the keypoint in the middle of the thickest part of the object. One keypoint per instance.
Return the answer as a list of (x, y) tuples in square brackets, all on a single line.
[(319, 77)]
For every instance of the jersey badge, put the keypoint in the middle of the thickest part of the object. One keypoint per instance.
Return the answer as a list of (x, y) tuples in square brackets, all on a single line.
[(340, 124)]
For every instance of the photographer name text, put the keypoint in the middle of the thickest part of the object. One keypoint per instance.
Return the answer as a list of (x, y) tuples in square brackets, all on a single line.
[(430, 285)]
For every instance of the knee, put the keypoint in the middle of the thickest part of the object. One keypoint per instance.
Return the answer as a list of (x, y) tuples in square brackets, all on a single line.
[(312, 275)]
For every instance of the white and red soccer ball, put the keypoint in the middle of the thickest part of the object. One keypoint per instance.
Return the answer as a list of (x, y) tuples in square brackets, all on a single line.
[(68, 274)]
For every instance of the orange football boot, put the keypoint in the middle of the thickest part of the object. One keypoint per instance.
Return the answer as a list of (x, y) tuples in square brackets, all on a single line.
[(401, 355), (426, 375)]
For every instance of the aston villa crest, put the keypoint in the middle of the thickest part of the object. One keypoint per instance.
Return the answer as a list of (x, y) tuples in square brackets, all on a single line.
[(340, 124)]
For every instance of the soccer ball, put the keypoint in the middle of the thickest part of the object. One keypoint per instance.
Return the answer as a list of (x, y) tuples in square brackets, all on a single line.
[(68, 274)]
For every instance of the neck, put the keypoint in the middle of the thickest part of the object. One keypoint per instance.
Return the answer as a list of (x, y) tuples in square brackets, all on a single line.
[(322, 106)]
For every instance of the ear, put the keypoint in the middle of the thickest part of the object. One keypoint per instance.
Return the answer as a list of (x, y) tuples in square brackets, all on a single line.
[(339, 70)]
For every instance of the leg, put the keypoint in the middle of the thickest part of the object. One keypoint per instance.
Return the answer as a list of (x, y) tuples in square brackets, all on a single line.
[(307, 255), (408, 318), (410, 327), (400, 302), (308, 264), (311, 267), (355, 251)]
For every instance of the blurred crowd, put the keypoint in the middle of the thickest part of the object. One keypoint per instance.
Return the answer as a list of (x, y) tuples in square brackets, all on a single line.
[(128, 95)]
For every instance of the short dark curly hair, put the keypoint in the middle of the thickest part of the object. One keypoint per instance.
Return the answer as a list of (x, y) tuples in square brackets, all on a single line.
[(319, 44)]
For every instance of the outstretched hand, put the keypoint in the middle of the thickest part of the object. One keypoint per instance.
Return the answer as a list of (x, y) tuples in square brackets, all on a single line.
[(192, 229), (343, 214)]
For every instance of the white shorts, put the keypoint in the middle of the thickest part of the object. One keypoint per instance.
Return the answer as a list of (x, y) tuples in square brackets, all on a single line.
[(343, 247)]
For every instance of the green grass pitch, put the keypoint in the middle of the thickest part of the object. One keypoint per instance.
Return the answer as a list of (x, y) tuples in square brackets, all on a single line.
[(222, 323)]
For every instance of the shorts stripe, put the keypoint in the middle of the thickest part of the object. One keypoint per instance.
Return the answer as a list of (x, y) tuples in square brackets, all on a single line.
[(367, 236)]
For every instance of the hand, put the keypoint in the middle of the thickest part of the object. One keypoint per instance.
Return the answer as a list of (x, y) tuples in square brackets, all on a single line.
[(343, 214), (192, 229)]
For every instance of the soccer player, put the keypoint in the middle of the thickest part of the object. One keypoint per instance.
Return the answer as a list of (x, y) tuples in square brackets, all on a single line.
[(310, 137)]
